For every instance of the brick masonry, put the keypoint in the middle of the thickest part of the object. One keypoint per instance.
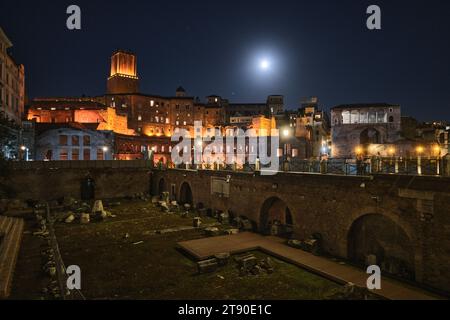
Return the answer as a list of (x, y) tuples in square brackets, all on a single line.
[(416, 209)]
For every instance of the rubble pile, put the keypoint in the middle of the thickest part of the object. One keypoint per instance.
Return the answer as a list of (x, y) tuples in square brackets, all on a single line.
[(51, 290), (248, 264), (351, 292)]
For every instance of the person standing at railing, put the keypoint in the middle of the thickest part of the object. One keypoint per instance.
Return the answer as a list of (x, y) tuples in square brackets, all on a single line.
[(360, 165)]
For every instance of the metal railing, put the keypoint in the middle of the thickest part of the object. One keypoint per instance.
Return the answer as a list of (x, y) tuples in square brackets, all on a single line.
[(425, 166), (78, 164)]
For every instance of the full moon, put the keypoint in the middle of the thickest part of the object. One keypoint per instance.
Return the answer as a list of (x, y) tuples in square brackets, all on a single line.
[(264, 64)]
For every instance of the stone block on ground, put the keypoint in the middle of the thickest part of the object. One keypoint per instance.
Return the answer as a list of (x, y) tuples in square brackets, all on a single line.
[(85, 218), (212, 231), (222, 258), (295, 244), (207, 266), (97, 208), (197, 222), (231, 231)]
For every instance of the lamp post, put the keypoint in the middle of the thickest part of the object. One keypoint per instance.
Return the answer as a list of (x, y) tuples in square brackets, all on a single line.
[(437, 150), (24, 155), (105, 150), (419, 151)]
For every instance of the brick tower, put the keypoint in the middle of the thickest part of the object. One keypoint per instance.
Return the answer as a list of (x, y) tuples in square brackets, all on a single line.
[(123, 76)]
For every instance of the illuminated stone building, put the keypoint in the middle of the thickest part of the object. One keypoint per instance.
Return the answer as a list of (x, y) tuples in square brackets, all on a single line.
[(368, 129), (143, 124), (12, 82)]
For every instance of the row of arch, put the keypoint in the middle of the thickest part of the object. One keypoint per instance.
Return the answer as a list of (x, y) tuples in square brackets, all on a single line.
[(372, 238)]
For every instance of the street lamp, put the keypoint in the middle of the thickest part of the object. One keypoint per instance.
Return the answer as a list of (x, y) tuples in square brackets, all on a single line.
[(24, 150), (359, 151), (437, 151), (105, 150), (391, 151)]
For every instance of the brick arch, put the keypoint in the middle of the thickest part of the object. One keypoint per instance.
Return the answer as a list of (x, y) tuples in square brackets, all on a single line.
[(162, 185), (271, 206), (185, 193), (391, 217)]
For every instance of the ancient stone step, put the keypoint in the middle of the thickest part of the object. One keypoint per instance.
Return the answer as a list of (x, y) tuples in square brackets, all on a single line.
[(9, 252)]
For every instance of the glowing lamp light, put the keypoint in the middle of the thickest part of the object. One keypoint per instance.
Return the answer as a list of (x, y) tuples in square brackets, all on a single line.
[(419, 149), (23, 148), (391, 151), (105, 149), (359, 150), (286, 132), (437, 149)]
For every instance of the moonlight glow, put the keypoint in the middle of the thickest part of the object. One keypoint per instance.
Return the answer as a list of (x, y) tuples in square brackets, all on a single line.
[(264, 64)]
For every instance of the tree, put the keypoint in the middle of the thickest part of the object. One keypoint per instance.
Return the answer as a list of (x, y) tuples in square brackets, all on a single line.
[(7, 139)]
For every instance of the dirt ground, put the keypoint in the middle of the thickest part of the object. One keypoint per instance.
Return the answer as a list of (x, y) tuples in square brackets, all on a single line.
[(123, 258)]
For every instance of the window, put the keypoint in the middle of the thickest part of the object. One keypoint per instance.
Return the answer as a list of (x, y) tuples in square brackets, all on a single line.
[(75, 154), (75, 140), (63, 140), (355, 116), (152, 103), (391, 119), (381, 117), (87, 154), (346, 117), (100, 154), (363, 117), (63, 155), (86, 140), (372, 117)]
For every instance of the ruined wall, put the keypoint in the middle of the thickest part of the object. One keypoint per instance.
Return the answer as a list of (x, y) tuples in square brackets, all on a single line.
[(419, 207), (55, 183)]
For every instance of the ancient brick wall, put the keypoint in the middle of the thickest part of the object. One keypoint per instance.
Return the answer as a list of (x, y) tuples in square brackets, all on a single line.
[(410, 230), (51, 184)]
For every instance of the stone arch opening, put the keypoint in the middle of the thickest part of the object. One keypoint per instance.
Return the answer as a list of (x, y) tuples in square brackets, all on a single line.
[(162, 186), (370, 136), (276, 218), (374, 239), (186, 194)]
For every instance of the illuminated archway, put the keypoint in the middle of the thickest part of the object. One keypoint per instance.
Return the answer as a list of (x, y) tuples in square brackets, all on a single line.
[(275, 211)]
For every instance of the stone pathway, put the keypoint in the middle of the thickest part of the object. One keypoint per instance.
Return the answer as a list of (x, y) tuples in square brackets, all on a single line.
[(207, 247)]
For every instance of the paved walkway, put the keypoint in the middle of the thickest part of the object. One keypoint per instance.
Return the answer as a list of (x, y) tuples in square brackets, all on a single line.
[(207, 247)]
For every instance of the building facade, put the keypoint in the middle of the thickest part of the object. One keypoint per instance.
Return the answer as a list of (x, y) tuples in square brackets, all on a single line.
[(366, 129), (12, 82), (70, 141)]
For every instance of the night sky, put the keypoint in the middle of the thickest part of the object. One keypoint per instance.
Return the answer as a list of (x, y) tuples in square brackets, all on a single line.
[(319, 47)]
